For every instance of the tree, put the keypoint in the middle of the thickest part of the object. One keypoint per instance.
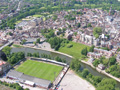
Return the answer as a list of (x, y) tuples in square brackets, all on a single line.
[(91, 49), (54, 17), (105, 62), (84, 52), (97, 31), (96, 62), (15, 57), (36, 54), (58, 59), (112, 60), (38, 40), (106, 84), (34, 43), (97, 79), (75, 65), (79, 25), (7, 50), (22, 42), (29, 54), (89, 25), (85, 72), (75, 33)]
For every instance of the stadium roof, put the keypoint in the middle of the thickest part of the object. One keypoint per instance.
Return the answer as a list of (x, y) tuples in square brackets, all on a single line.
[(22, 76), (13, 73)]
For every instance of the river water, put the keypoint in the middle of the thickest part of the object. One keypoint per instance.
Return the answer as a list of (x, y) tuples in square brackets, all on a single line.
[(53, 54)]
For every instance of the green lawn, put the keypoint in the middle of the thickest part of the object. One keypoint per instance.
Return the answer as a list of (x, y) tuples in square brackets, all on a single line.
[(18, 21), (74, 51), (37, 16), (39, 69), (17, 46)]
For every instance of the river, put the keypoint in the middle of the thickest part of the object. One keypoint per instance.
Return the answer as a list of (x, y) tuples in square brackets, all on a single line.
[(53, 54)]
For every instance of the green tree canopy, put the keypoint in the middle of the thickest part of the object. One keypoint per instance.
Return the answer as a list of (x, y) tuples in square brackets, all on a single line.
[(91, 49), (85, 72), (75, 65), (106, 84), (84, 51), (7, 50), (97, 31), (112, 60)]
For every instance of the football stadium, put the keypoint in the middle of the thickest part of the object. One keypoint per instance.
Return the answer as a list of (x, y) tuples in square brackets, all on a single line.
[(39, 72)]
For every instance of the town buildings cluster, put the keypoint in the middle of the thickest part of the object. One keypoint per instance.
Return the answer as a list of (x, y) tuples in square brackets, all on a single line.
[(75, 24)]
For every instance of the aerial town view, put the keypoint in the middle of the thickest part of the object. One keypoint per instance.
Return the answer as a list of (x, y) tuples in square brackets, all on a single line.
[(59, 44)]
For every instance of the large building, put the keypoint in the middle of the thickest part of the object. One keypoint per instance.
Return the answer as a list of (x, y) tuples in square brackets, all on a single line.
[(28, 80), (87, 39)]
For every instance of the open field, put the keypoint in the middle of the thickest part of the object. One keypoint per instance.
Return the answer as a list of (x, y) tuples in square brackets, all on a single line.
[(73, 82), (74, 51), (40, 69)]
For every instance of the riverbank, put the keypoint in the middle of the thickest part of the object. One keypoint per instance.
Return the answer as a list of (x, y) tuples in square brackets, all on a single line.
[(101, 71), (46, 50), (104, 73)]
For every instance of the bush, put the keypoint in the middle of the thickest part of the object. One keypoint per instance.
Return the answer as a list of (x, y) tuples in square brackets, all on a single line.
[(69, 45), (85, 72)]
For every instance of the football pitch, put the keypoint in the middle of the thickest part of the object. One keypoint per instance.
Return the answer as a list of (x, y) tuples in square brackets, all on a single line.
[(40, 69)]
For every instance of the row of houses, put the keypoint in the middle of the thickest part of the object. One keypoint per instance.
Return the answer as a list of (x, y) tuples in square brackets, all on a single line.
[(100, 52)]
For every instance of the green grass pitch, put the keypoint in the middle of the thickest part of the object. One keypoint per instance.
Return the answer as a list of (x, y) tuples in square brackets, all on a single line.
[(40, 69)]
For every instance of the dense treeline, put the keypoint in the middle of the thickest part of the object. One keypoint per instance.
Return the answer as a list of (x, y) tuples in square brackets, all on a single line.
[(13, 58), (46, 56), (57, 42), (97, 81), (36, 54), (111, 65)]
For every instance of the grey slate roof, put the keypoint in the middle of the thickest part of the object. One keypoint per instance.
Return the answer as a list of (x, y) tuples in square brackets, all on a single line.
[(26, 77), (14, 73), (22, 76), (41, 82)]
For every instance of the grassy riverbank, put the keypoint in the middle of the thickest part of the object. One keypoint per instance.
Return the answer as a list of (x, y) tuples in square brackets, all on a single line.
[(75, 50), (17, 46)]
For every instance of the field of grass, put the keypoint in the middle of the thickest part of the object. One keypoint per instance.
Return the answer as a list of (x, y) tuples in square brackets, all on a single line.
[(18, 21), (17, 46), (37, 16), (40, 69), (74, 51)]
